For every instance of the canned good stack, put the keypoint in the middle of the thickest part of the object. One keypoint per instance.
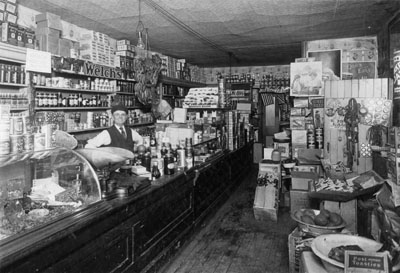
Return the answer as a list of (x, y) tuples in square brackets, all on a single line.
[(319, 138)]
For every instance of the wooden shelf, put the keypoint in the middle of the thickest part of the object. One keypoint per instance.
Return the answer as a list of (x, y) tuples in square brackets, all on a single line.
[(179, 82), (12, 53), (125, 93), (208, 109), (16, 85), (139, 107), (104, 128), (48, 88), (140, 124), (71, 108), (16, 109), (174, 96)]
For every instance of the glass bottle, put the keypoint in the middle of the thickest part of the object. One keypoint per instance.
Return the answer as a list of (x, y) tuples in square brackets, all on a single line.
[(155, 172), (77, 184), (189, 153), (169, 163)]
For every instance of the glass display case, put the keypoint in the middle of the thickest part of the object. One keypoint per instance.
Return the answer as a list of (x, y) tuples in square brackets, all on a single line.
[(208, 148), (42, 186)]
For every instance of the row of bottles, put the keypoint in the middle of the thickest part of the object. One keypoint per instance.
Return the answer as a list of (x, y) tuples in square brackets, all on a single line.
[(162, 159), (48, 99), (14, 100), (94, 84), (275, 81), (127, 100), (240, 78), (126, 86), (12, 74)]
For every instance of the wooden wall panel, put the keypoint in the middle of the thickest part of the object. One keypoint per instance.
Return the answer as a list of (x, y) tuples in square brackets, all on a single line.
[(354, 89)]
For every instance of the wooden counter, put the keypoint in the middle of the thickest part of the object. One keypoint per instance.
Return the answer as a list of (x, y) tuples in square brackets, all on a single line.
[(136, 233)]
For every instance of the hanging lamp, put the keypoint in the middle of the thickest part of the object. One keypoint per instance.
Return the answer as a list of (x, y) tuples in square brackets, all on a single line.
[(139, 30)]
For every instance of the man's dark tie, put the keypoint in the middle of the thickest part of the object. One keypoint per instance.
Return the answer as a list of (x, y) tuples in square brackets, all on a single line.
[(122, 132)]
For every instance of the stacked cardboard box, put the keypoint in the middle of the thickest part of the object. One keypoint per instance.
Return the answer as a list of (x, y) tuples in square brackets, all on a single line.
[(230, 121), (97, 47)]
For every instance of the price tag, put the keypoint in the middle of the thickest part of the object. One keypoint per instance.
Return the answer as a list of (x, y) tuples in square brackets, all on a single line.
[(363, 262)]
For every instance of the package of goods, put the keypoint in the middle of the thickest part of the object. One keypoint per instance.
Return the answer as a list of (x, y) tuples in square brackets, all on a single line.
[(303, 180), (123, 42), (9, 33), (70, 31), (205, 97), (29, 38), (126, 53), (49, 43), (266, 203), (49, 20)]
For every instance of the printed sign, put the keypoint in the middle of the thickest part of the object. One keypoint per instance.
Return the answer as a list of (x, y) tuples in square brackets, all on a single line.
[(363, 262)]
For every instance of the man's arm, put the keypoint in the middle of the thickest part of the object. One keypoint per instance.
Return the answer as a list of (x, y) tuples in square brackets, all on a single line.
[(101, 139), (138, 139)]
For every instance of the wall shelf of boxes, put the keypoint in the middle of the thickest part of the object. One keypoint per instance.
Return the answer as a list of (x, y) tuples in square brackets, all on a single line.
[(174, 90)]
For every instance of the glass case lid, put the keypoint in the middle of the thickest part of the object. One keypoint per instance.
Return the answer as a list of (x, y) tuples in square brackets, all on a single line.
[(41, 186)]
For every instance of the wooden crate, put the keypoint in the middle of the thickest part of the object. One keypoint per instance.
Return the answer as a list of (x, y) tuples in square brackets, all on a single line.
[(297, 243), (347, 210), (265, 214)]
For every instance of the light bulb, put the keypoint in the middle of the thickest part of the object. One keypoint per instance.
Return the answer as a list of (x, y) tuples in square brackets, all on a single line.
[(140, 43)]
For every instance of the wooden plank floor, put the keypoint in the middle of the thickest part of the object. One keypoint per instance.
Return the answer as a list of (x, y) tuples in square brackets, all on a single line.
[(232, 241)]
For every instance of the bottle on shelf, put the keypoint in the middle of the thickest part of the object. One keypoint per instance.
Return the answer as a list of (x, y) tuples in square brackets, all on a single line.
[(189, 153), (169, 163), (155, 172)]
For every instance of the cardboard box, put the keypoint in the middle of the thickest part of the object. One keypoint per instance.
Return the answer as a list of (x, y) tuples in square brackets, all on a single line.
[(29, 37), (49, 43), (9, 33), (303, 180), (47, 31), (20, 36), (266, 203), (299, 200), (50, 20)]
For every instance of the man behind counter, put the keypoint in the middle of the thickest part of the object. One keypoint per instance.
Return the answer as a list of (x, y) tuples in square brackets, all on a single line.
[(117, 135)]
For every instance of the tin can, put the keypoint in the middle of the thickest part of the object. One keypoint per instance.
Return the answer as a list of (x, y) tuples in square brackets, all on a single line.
[(181, 158), (28, 142), (318, 131), (5, 129), (146, 141), (17, 126), (4, 147), (39, 141), (16, 144)]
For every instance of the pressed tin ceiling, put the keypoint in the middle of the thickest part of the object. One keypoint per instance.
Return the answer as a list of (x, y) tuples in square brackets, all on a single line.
[(212, 33)]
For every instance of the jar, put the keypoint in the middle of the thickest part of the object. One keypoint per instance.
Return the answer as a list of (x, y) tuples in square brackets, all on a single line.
[(276, 155)]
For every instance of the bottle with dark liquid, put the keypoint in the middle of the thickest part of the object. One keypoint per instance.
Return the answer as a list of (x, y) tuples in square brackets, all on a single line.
[(155, 172), (169, 163)]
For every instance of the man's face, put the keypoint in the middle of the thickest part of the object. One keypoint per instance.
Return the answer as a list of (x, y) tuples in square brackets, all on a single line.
[(119, 117)]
